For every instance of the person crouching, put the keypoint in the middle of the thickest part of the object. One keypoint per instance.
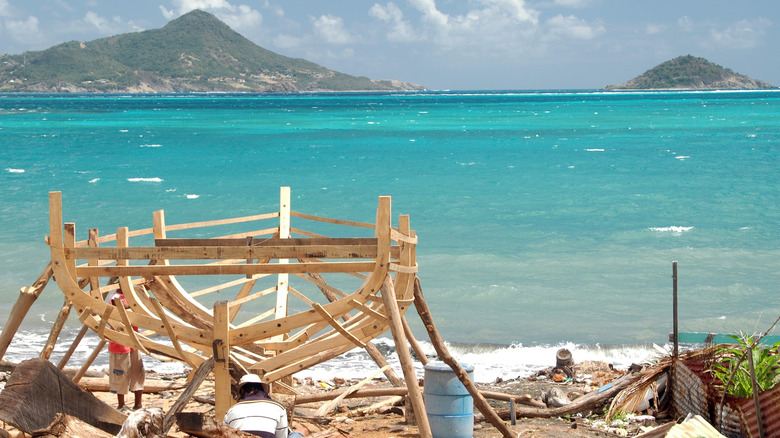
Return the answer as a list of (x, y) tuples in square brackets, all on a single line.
[(256, 412)]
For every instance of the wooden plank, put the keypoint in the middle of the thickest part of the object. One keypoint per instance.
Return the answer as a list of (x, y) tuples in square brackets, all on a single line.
[(27, 296), (221, 342), (37, 391), (272, 268), (218, 252), (396, 328)]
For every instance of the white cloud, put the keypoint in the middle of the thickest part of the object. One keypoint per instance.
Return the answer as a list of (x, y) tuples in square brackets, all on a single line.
[(685, 23), (654, 29), (5, 8), (103, 25), (571, 27), (744, 34), (573, 3), (331, 29), (400, 30), (236, 16), (24, 30), (287, 41)]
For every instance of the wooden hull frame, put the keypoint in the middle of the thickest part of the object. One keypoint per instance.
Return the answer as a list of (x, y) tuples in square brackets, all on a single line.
[(173, 324)]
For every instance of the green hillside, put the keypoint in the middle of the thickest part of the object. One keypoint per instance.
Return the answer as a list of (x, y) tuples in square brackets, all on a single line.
[(686, 72), (195, 52)]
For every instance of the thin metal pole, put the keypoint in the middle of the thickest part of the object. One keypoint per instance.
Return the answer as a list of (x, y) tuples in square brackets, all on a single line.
[(755, 392), (675, 329)]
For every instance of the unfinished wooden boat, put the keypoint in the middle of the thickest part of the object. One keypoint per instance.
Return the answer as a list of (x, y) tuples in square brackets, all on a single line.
[(249, 276)]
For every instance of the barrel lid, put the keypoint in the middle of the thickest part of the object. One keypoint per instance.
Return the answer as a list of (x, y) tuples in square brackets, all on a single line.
[(441, 366)]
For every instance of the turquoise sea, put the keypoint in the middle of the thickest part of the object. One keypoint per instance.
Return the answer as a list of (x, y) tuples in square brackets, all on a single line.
[(545, 218)]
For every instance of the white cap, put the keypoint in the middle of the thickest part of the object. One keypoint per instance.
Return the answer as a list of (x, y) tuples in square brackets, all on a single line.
[(252, 378)]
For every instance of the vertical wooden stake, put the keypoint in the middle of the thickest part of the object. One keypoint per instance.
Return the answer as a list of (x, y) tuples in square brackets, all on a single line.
[(675, 329), (223, 398), (396, 328)]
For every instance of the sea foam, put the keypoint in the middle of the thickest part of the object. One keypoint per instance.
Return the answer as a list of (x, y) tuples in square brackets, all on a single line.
[(156, 179)]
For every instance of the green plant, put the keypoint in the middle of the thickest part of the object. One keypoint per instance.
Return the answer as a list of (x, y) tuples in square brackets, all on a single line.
[(731, 365)]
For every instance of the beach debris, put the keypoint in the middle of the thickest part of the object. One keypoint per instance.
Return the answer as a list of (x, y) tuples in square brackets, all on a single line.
[(649, 392), (555, 398), (66, 426), (37, 391), (143, 423)]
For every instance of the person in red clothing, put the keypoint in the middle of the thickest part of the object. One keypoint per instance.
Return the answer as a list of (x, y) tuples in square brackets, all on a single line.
[(126, 369)]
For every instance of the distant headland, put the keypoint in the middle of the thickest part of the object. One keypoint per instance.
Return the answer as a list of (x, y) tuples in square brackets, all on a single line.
[(193, 53), (690, 72)]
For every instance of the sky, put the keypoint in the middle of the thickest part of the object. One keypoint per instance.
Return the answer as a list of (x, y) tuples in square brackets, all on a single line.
[(447, 44)]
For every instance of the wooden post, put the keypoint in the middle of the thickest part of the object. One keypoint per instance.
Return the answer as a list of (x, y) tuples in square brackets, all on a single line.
[(27, 296), (223, 398), (88, 362), (413, 342), (446, 357), (396, 328), (56, 329), (675, 328), (73, 345), (284, 233)]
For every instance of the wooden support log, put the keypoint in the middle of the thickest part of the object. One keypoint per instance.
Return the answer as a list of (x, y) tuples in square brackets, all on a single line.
[(37, 391), (143, 423), (446, 357), (72, 348), (396, 328), (56, 329), (27, 296), (197, 379), (525, 399)]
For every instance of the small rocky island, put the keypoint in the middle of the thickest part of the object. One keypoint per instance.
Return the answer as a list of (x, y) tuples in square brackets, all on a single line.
[(690, 72)]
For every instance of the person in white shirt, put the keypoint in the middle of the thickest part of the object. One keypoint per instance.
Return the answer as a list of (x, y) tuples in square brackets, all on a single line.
[(256, 412)]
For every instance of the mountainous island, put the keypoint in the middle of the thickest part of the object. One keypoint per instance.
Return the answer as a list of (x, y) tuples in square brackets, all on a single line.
[(690, 72), (193, 53)]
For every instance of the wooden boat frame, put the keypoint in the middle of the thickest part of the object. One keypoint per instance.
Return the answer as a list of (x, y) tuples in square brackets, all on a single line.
[(273, 344)]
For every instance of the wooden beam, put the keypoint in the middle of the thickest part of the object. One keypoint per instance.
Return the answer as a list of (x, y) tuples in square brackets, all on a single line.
[(27, 296), (223, 398), (271, 268), (396, 327), (227, 251)]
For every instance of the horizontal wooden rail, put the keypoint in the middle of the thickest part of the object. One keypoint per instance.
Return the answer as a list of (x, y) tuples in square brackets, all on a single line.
[(331, 221), (201, 249), (249, 269)]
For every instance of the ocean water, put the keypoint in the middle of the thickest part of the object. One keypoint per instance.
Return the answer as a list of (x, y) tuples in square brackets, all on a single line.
[(546, 219)]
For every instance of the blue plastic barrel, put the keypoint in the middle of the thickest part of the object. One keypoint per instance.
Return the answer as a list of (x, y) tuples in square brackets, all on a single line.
[(449, 405)]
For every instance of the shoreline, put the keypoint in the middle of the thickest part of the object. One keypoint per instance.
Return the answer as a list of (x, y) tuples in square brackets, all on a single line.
[(357, 416)]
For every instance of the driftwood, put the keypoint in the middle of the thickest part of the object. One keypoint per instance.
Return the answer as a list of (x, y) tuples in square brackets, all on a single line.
[(143, 423), (446, 357), (197, 379), (66, 426), (588, 402), (100, 384), (524, 399), (199, 425), (327, 407), (37, 391)]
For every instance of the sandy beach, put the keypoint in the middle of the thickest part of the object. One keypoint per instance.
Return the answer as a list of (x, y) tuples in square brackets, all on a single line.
[(350, 419)]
